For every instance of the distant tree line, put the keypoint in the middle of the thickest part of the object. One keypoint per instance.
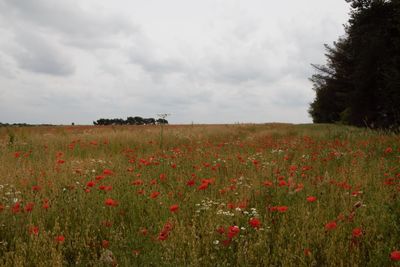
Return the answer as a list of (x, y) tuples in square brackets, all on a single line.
[(360, 83), (22, 124), (130, 121)]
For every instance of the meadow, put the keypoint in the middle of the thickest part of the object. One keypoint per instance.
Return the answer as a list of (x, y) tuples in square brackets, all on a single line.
[(199, 195)]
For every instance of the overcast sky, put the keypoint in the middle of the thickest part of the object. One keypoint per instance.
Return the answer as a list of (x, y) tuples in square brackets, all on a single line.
[(202, 61)]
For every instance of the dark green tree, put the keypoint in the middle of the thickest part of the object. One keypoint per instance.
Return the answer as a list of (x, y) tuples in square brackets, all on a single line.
[(359, 85)]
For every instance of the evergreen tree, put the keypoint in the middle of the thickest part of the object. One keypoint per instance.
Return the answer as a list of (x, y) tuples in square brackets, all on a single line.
[(360, 84)]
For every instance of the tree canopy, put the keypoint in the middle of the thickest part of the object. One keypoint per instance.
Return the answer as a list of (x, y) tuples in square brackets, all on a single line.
[(360, 82)]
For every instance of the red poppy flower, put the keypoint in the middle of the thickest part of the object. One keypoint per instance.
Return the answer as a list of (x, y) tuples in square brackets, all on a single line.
[(108, 172), (282, 208), (111, 202), (203, 186), (105, 243), (99, 177), (60, 239), (174, 208), (230, 206), (221, 230), (331, 225), (163, 235), (282, 183), (154, 194), (388, 150), (233, 231), (163, 177), (45, 204), (36, 188), (255, 223), (137, 182), (357, 232), (311, 199), (34, 230), (16, 207), (395, 255), (91, 184), (190, 183), (267, 183), (29, 206)]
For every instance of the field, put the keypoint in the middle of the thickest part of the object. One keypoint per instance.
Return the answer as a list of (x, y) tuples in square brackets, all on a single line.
[(199, 195)]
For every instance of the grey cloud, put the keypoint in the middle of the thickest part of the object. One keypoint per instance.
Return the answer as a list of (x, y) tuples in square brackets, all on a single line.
[(153, 65), (77, 27), (35, 53)]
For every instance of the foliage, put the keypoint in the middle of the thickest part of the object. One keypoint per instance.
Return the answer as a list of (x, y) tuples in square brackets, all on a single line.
[(360, 84), (130, 121)]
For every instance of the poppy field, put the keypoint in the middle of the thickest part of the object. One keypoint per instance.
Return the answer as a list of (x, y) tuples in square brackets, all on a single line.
[(199, 195)]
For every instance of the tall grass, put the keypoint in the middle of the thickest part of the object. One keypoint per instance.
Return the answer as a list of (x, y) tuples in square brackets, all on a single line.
[(222, 195)]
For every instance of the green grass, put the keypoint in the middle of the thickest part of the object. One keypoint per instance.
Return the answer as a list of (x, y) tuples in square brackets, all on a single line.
[(220, 176)]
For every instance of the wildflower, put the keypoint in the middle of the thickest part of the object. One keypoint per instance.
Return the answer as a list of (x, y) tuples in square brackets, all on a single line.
[(203, 186), (255, 223), (33, 230), (388, 150), (108, 172), (395, 255), (293, 168), (91, 184), (105, 243), (137, 182), (163, 235), (111, 202), (99, 177), (282, 208), (282, 183), (45, 204), (163, 177), (311, 199), (16, 208), (174, 208), (299, 187), (154, 194), (233, 231), (357, 232), (29, 206), (190, 183), (60, 239), (36, 188), (230, 206), (330, 225), (267, 183), (105, 187), (221, 230)]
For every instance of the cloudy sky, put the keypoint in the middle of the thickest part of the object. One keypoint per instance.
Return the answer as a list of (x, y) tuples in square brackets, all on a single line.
[(208, 61)]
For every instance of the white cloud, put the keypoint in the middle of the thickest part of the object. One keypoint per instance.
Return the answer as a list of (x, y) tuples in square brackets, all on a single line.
[(203, 61)]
